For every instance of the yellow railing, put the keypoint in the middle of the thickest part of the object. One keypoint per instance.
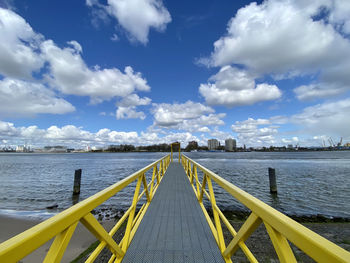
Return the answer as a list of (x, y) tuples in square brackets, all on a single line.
[(280, 227), (62, 226)]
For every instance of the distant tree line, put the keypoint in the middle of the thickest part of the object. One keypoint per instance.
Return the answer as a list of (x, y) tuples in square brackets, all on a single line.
[(131, 148)]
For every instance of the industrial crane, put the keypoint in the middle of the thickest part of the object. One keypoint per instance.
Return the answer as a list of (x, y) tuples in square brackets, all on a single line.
[(340, 142), (331, 143)]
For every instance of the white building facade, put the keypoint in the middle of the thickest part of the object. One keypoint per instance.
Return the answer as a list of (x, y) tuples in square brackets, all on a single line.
[(213, 144), (230, 144)]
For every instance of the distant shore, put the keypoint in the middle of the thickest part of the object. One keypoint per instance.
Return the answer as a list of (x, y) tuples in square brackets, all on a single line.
[(275, 149)]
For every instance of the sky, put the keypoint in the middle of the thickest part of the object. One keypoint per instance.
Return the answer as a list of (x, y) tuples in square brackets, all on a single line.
[(97, 72)]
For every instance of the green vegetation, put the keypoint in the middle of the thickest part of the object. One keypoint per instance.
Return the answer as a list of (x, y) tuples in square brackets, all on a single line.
[(89, 250), (345, 241)]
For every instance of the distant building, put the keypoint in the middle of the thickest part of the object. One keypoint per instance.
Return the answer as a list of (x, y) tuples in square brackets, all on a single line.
[(213, 144), (230, 144), (22, 149), (193, 144)]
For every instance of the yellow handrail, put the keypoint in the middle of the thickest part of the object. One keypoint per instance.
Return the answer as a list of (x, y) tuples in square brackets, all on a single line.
[(62, 225), (280, 227)]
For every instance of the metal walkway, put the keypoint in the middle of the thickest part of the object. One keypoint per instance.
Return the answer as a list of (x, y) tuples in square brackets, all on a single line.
[(174, 228)]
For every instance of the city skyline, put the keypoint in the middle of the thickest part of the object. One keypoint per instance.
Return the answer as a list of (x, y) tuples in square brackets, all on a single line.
[(97, 73)]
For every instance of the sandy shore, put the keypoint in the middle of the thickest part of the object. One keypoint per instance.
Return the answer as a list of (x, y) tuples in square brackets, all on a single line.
[(81, 240)]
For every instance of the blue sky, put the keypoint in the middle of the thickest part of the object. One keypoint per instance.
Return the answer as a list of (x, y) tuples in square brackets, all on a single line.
[(92, 72)]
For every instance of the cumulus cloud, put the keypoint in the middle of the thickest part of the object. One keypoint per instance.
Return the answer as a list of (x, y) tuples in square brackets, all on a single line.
[(235, 87), (127, 107), (330, 118), (137, 17), (73, 136), (23, 98), (313, 125), (290, 38), (250, 133), (166, 115), (19, 46), (188, 116), (69, 74), (24, 52)]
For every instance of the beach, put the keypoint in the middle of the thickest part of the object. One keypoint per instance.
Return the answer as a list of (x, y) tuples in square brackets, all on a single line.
[(81, 240)]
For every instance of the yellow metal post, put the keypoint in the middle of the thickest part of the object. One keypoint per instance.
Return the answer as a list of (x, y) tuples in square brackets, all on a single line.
[(246, 230), (283, 250), (59, 245), (131, 216), (171, 146), (91, 223), (221, 242)]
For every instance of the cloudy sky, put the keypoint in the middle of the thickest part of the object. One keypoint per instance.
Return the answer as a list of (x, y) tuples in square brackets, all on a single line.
[(99, 72)]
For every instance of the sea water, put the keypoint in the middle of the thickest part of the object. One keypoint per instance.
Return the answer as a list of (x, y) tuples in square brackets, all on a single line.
[(309, 183)]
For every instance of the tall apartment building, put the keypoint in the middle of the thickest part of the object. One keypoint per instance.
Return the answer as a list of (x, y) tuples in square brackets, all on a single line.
[(213, 144), (230, 144)]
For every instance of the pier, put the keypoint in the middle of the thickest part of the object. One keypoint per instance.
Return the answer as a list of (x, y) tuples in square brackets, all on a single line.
[(174, 228), (168, 222)]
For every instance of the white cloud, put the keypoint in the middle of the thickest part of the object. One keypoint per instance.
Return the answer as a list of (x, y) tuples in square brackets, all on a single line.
[(320, 90), (188, 116), (231, 78), (133, 100), (137, 17), (330, 118), (7, 129), (339, 14), (250, 133), (231, 98), (293, 140), (285, 38), (167, 115), (127, 107), (220, 135), (235, 87), (129, 113), (115, 37), (19, 46), (23, 52), (70, 75), (201, 123), (23, 98), (313, 125), (73, 136)]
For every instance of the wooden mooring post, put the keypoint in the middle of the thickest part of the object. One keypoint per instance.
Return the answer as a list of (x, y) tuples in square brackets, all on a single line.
[(272, 179), (77, 181)]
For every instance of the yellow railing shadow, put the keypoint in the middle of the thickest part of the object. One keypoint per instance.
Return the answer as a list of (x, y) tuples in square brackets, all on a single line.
[(61, 226), (280, 227)]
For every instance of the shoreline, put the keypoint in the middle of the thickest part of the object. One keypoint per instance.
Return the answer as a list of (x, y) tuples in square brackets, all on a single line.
[(11, 226), (335, 229), (110, 213)]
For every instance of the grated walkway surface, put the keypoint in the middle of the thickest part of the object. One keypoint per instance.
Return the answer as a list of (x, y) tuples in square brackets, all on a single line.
[(174, 228)]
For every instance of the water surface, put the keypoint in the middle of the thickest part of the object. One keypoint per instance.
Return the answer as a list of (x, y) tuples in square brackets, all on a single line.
[(308, 182)]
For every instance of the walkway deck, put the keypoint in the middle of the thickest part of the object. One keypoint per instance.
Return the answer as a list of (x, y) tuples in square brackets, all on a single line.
[(174, 228)]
